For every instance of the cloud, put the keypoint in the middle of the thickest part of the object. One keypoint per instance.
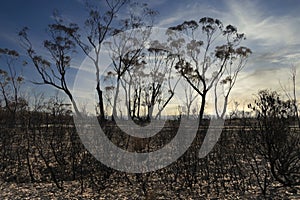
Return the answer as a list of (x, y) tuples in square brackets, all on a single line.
[(273, 39), (275, 35), (167, 22), (269, 30), (10, 38), (186, 11)]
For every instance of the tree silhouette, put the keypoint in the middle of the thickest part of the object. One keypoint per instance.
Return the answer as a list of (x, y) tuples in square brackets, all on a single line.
[(10, 83), (211, 52), (60, 47), (99, 26), (127, 49)]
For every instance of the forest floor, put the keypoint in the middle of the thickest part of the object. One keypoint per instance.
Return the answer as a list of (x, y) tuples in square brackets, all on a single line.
[(123, 191), (122, 186)]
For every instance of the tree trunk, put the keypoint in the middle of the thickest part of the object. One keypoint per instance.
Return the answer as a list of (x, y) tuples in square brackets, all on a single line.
[(139, 103), (100, 97), (203, 101)]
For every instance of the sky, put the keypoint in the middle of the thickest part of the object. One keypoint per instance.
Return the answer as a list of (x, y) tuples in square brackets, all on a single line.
[(272, 29)]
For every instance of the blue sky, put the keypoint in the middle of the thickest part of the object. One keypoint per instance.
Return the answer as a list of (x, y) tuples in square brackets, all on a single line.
[(272, 29)]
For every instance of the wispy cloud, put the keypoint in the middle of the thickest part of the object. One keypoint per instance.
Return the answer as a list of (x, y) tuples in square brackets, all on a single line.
[(187, 11), (272, 34), (269, 30), (11, 39)]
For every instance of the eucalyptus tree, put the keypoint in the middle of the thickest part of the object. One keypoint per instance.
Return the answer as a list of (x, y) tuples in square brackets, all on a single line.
[(190, 96), (212, 56), (127, 48), (98, 26), (65, 39), (153, 83), (10, 83), (53, 66)]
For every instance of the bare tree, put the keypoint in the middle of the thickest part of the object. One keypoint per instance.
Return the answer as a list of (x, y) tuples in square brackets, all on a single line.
[(209, 53), (126, 47), (10, 82), (98, 26), (295, 103), (190, 97), (53, 71), (156, 77), (227, 78), (162, 62), (292, 96)]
